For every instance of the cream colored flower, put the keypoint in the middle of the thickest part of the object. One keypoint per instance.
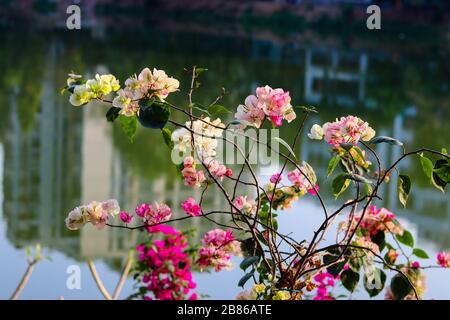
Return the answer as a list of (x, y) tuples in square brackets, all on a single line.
[(369, 134), (316, 133), (81, 95)]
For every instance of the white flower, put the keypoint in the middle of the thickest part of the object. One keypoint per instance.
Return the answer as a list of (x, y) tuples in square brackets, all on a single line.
[(76, 219), (81, 95), (316, 133), (124, 101), (111, 206), (369, 134)]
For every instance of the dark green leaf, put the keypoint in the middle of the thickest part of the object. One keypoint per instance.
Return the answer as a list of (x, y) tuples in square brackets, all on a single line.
[(153, 114), (406, 238), (349, 279), (420, 253), (128, 125), (376, 285), (167, 136), (400, 286), (340, 184), (332, 165), (112, 114), (244, 279), (384, 139), (247, 262), (404, 187), (216, 109), (336, 267)]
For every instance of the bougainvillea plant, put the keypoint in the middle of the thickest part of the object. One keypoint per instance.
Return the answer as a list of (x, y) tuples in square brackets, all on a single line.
[(370, 241)]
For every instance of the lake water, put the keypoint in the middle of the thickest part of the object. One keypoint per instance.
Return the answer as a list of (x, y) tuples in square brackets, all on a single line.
[(54, 157)]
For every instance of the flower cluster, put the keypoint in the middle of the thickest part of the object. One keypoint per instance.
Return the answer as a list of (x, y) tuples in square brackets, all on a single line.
[(217, 247), (192, 177), (272, 103), (148, 84), (95, 212), (443, 259), (245, 205), (166, 266), (378, 220), (191, 207), (95, 88), (153, 215), (218, 170), (205, 132), (324, 281), (348, 129)]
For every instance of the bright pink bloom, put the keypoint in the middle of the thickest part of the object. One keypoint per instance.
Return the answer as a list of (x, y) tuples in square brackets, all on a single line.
[(125, 217), (324, 281), (275, 178), (166, 266), (443, 259), (415, 264), (151, 215), (191, 207)]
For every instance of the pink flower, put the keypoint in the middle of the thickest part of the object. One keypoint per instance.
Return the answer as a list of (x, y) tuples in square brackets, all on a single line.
[(443, 259), (191, 176), (348, 129), (217, 169), (125, 217), (217, 247), (275, 178), (191, 208), (246, 206), (274, 104), (324, 280), (151, 215), (415, 264)]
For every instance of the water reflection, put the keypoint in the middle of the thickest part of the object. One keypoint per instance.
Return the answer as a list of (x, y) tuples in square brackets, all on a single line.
[(57, 156)]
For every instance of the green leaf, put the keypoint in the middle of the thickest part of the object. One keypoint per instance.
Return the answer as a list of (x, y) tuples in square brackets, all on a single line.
[(406, 238), (112, 114), (336, 267), (375, 285), (332, 165), (441, 174), (384, 139), (404, 187), (419, 253), (128, 125), (340, 184), (198, 107), (216, 109), (427, 166), (153, 114), (400, 286), (167, 136), (199, 71), (247, 262), (245, 278), (349, 279)]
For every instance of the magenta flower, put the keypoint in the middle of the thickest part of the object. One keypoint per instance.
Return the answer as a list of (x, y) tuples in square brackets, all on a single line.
[(275, 178), (415, 264), (125, 217), (191, 207), (443, 259)]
